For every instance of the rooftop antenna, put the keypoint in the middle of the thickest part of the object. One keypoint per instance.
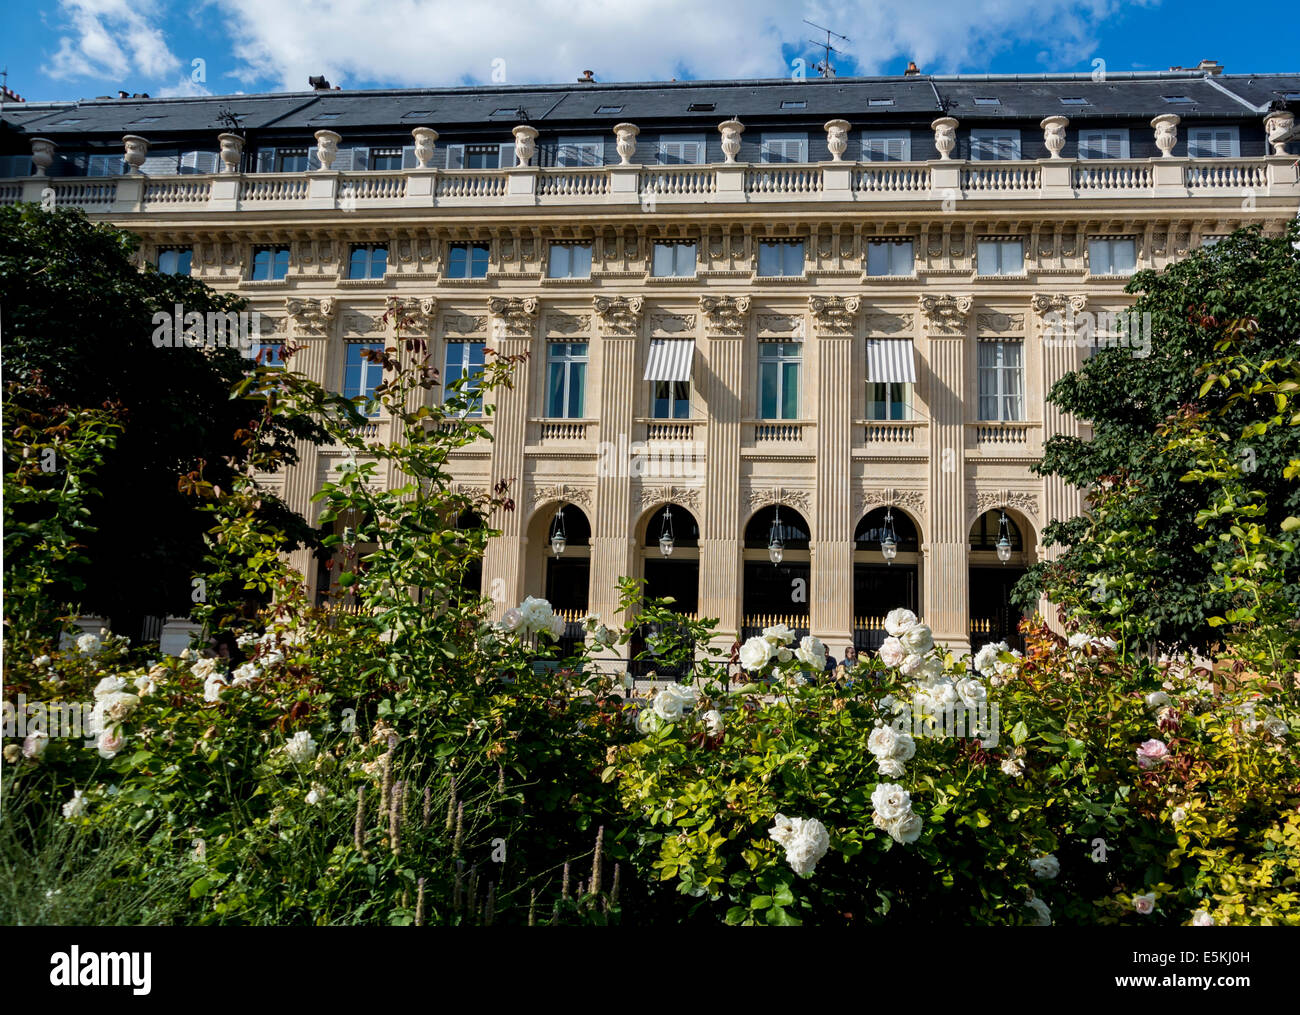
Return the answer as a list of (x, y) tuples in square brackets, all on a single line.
[(826, 69)]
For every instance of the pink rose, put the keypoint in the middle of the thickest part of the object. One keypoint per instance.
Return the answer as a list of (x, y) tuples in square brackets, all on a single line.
[(1150, 752), (892, 652), (1145, 904), (511, 619)]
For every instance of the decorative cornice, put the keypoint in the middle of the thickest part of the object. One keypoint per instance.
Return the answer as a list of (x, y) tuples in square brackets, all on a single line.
[(620, 315), (888, 324), (998, 322), (834, 315), (725, 315), (515, 316), (870, 498), (1044, 303), (779, 324), (423, 311), (1020, 500), (312, 315), (567, 324), (780, 495), (580, 495), (463, 324), (686, 496), (947, 313)]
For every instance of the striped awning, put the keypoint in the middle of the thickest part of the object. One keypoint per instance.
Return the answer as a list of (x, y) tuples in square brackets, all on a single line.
[(890, 361), (670, 359)]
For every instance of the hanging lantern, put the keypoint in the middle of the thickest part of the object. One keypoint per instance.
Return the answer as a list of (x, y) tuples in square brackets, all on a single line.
[(889, 543), (1004, 541), (558, 538), (775, 545), (666, 533)]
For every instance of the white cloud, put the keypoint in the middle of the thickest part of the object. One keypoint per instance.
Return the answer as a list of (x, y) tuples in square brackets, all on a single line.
[(183, 87), (415, 43), (110, 39)]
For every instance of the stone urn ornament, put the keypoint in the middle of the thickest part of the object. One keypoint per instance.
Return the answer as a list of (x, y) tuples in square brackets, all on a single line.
[(837, 138), (1054, 133), (1166, 128), (731, 131), (137, 150), (626, 144), (425, 139), (42, 155), (232, 151), (525, 144), (1276, 124), (945, 135), (327, 148)]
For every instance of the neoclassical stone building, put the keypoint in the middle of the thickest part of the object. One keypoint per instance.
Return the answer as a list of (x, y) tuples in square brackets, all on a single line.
[(797, 334)]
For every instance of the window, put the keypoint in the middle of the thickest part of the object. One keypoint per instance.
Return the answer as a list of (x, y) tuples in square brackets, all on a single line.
[(778, 380), (1213, 239), (385, 159), (506, 111), (1104, 144), (673, 260), (580, 151), (291, 160), (681, 150), (268, 354), (465, 359), (994, 145), (1213, 143), (175, 260), (1000, 257), (886, 146), (570, 260), (1112, 255), (880, 102), (784, 148), (670, 399), (983, 101), (566, 375), (794, 104), (1001, 378), (889, 257), (610, 110), (368, 262), (323, 116), (1074, 100), (480, 156), (417, 113), (149, 119), (467, 260), (1176, 98), (68, 122), (360, 375), (270, 263), (780, 257), (889, 401), (700, 107)]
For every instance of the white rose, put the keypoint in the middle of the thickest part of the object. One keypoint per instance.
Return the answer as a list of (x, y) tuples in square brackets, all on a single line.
[(805, 840), (1045, 867), (89, 644), (75, 807), (512, 620), (1041, 911), (1078, 639), (882, 741), (906, 829), (213, 686), (755, 654), (943, 694), (35, 744), (891, 801), (118, 707), (1013, 767), (40, 662), (674, 700), (273, 658), (911, 664), (647, 720), (713, 723), (204, 669), (110, 741), (110, 685), (987, 657), (931, 670), (1275, 727), (245, 674), (917, 638), (971, 692), (778, 634), (891, 768), (602, 636), (1145, 904), (812, 652), (891, 652), (300, 748), (1157, 699), (316, 795), (1202, 919), (1178, 816), (899, 620), (555, 626)]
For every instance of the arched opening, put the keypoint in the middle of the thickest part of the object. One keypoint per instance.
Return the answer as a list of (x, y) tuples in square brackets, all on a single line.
[(777, 571), (471, 579), (670, 564), (886, 572), (999, 555), (341, 560), (564, 533)]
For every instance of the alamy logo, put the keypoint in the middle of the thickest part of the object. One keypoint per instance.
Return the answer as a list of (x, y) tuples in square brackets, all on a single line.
[(1103, 329), (230, 330), (75, 968), (660, 459)]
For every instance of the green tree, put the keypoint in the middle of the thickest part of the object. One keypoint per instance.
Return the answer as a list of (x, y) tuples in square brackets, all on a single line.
[(1139, 553), (79, 327)]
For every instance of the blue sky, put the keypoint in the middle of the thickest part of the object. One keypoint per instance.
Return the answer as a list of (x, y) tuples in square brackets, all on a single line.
[(82, 48)]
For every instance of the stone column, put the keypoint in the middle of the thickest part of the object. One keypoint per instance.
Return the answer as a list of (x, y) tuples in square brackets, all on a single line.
[(513, 328), (831, 608), (946, 601), (722, 378)]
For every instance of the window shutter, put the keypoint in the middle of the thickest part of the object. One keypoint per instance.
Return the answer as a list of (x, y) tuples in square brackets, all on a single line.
[(313, 161), (266, 160), (16, 165), (506, 160), (1103, 144), (995, 145), (886, 148), (104, 165), (161, 163), (693, 153), (199, 162), (1212, 143), (360, 159), (456, 156), (672, 153), (409, 161)]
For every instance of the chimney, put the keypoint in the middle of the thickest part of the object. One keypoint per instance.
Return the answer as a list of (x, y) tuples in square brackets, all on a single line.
[(319, 83), (123, 95), (588, 78), (912, 69), (1210, 66)]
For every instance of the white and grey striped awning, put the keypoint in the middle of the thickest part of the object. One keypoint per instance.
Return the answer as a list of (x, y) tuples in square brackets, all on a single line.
[(890, 361), (670, 359)]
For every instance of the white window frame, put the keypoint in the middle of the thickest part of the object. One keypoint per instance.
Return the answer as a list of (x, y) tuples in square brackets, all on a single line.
[(370, 249), (456, 155), (667, 141), (673, 399), (368, 368), (472, 389), (774, 353), (1095, 243), (782, 242), (905, 400), (892, 252), (676, 246), (274, 248), (1001, 245), (1096, 143), (569, 246), (784, 139), (569, 359), (1002, 391), (469, 246), (982, 137), (176, 250), (886, 146), (1202, 144)]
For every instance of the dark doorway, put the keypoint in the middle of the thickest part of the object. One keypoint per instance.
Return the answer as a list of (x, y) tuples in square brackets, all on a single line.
[(567, 581), (877, 589), (992, 616), (679, 579)]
